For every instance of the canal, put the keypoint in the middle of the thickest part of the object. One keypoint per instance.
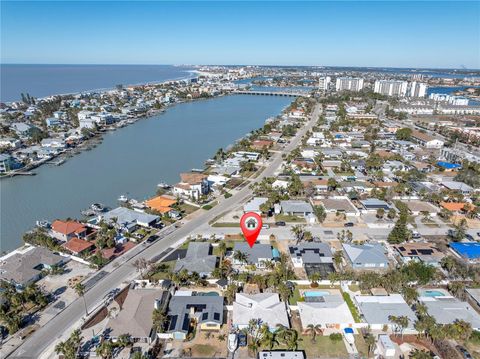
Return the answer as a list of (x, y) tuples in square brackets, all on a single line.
[(131, 160)]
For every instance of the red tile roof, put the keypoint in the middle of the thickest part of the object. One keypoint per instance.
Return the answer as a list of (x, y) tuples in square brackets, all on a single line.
[(77, 245), (68, 227)]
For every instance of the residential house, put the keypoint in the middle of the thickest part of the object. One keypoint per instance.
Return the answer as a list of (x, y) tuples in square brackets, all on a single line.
[(426, 140), (135, 316), (257, 255), (266, 306), (8, 163), (313, 257), (377, 310), (329, 311), (162, 204), (192, 185), (458, 187), (373, 204), (338, 204), (418, 207), (128, 220), (26, 265), (469, 251), (420, 251), (187, 311), (365, 256), (78, 246), (254, 205), (198, 259), (446, 309), (296, 208), (66, 230)]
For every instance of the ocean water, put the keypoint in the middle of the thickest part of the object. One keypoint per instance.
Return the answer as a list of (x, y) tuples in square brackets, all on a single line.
[(46, 80), (131, 161)]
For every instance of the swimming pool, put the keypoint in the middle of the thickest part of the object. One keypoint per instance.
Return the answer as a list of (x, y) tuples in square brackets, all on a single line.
[(432, 293), (315, 293)]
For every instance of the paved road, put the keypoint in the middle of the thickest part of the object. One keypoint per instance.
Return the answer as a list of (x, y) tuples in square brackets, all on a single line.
[(35, 345)]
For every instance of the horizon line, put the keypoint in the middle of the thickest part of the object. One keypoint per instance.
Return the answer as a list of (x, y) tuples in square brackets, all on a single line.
[(258, 65)]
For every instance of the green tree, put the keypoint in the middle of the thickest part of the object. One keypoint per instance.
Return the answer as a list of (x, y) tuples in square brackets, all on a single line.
[(313, 331), (404, 134)]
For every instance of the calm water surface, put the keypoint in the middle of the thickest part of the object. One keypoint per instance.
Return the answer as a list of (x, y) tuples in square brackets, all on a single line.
[(131, 160), (46, 80)]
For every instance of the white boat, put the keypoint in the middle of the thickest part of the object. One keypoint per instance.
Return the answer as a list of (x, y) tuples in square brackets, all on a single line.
[(123, 198), (232, 342), (43, 224), (163, 185)]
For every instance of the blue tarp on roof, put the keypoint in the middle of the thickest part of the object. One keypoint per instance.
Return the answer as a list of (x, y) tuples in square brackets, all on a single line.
[(448, 165), (470, 250)]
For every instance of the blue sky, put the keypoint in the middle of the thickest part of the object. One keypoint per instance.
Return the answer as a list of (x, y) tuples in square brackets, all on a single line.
[(395, 34)]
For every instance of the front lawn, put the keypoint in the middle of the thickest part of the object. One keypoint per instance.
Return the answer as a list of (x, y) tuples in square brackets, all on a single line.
[(187, 208), (323, 347), (287, 218)]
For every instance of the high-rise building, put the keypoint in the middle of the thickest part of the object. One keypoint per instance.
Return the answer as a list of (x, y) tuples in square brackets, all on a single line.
[(324, 82), (418, 89), (391, 87), (349, 83)]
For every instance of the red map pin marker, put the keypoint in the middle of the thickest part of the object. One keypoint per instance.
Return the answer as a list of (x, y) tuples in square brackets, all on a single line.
[(251, 224)]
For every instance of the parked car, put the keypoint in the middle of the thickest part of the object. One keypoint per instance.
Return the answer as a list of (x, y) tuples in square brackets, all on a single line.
[(464, 352), (416, 235), (282, 224), (348, 224), (152, 239), (242, 340)]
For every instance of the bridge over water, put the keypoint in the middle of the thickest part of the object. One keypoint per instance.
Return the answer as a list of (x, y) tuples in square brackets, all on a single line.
[(272, 93)]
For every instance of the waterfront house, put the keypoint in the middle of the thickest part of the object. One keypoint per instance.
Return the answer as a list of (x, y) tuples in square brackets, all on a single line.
[(65, 230), (366, 256), (127, 219), (330, 311), (162, 204), (187, 312), (198, 259), (266, 306), (10, 142), (26, 265), (313, 257), (8, 163), (78, 246), (135, 316), (192, 185), (54, 143)]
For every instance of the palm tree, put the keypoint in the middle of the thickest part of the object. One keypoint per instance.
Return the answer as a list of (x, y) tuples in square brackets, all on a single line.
[(410, 295), (299, 232), (158, 320), (313, 330), (291, 339), (315, 277), (80, 290), (284, 291), (240, 256), (105, 350), (420, 354), (124, 340), (268, 338), (370, 341)]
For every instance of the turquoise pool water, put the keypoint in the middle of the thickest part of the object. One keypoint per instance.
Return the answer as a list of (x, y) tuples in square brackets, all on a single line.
[(433, 293), (315, 293)]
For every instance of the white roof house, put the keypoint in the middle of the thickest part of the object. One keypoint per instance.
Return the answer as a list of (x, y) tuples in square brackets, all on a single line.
[(266, 306), (254, 205), (376, 310), (331, 312), (448, 309)]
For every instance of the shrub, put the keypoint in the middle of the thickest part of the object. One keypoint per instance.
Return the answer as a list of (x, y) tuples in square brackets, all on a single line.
[(207, 207)]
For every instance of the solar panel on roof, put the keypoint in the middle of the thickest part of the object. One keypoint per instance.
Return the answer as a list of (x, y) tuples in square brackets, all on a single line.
[(186, 323)]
